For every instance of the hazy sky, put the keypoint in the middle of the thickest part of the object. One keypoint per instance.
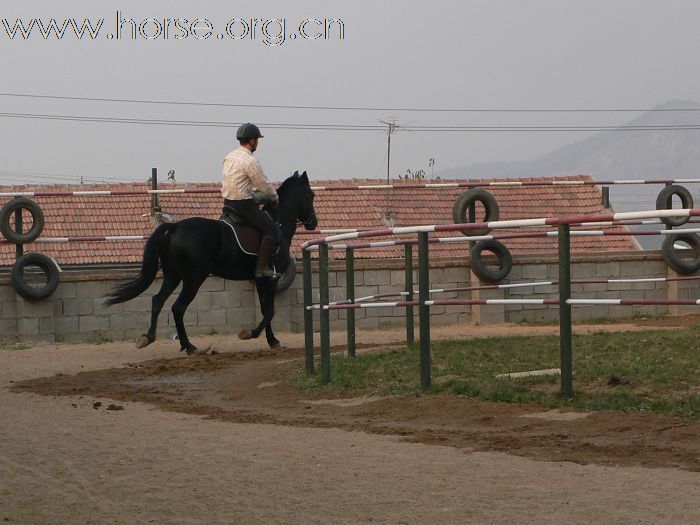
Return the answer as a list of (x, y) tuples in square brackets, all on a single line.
[(410, 54)]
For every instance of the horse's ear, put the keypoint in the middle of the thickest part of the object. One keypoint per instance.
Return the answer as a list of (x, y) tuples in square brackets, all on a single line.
[(304, 177), (296, 175)]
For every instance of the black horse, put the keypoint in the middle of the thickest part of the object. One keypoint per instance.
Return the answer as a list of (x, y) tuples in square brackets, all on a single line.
[(190, 250)]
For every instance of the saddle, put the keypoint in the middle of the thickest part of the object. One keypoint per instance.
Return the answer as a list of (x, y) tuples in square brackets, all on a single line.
[(247, 236)]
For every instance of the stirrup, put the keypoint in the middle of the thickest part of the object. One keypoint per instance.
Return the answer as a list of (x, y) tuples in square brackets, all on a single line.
[(267, 274)]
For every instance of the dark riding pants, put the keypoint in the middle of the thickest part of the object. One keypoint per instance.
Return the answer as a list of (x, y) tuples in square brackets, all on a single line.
[(250, 211)]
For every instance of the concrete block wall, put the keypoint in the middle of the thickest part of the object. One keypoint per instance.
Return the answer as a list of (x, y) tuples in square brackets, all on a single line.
[(595, 270), (76, 311)]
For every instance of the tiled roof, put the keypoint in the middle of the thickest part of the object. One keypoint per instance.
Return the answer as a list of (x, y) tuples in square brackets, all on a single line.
[(128, 215)]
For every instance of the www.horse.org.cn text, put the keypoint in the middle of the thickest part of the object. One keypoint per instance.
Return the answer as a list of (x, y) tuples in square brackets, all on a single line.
[(271, 32)]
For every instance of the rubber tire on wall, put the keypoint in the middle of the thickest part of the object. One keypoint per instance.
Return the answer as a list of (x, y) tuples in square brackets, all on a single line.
[(31, 293), (460, 209), (682, 266), (37, 220), (481, 270), (287, 277), (664, 201)]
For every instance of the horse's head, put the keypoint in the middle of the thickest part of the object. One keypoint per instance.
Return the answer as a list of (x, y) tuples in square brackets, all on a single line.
[(297, 200), (306, 214)]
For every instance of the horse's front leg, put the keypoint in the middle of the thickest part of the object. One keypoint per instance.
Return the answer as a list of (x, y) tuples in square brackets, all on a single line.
[(266, 294), (270, 292), (271, 339)]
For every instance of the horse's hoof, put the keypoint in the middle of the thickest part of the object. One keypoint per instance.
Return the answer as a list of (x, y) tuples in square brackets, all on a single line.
[(202, 351), (143, 341), (277, 346), (191, 349), (245, 334)]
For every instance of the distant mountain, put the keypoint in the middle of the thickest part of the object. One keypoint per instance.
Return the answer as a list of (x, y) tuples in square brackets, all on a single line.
[(618, 155), (614, 154)]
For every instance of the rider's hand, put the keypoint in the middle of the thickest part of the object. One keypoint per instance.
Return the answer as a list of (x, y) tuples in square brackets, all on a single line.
[(275, 202)]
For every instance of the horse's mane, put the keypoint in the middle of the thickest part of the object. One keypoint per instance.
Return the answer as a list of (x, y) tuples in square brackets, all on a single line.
[(288, 183), (286, 187)]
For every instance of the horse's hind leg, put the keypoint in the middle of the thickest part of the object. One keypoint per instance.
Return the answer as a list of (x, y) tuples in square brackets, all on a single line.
[(187, 295), (170, 282)]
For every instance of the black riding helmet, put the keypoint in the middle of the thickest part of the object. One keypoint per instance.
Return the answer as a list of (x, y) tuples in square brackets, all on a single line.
[(248, 132)]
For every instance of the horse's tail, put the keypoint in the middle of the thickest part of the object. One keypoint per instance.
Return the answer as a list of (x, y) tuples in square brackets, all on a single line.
[(152, 253)]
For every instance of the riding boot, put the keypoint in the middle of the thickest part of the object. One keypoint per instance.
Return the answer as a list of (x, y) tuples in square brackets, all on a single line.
[(262, 267)]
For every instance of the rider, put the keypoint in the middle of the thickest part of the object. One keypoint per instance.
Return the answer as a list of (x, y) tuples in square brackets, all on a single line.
[(242, 175)]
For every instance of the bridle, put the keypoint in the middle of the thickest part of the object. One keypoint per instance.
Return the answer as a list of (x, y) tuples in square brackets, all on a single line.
[(310, 219)]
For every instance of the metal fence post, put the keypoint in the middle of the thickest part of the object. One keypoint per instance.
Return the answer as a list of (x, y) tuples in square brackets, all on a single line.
[(325, 314), (606, 197), (410, 332), (671, 287), (350, 290), (565, 331), (155, 204), (308, 314), (475, 309), (424, 310), (670, 206)]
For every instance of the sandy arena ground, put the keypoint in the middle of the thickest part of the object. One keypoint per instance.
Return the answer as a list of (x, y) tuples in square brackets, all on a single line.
[(218, 439)]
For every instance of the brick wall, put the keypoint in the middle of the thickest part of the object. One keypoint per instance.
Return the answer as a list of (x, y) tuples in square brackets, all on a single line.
[(76, 311)]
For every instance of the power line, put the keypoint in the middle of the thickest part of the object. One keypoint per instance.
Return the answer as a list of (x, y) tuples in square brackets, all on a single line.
[(351, 127), (49, 175), (18, 172), (37, 176), (381, 166), (40, 176), (350, 108), (196, 123)]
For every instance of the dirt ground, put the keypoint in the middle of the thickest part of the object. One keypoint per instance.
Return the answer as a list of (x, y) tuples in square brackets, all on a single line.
[(108, 433)]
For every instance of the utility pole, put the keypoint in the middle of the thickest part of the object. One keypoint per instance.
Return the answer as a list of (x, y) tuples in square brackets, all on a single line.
[(392, 127)]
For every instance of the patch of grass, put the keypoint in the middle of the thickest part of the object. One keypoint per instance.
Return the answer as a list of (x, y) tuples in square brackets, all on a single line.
[(602, 320), (390, 373), (14, 346), (648, 371), (636, 318)]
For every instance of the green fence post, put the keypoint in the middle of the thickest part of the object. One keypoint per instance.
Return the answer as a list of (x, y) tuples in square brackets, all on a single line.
[(565, 331), (424, 310), (308, 314), (410, 332), (471, 219), (670, 205), (325, 314), (350, 291)]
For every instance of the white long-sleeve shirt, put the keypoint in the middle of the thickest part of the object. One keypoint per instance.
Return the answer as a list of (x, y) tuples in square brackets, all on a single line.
[(242, 174)]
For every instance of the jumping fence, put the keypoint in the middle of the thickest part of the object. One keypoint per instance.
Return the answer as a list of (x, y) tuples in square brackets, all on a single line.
[(424, 302)]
